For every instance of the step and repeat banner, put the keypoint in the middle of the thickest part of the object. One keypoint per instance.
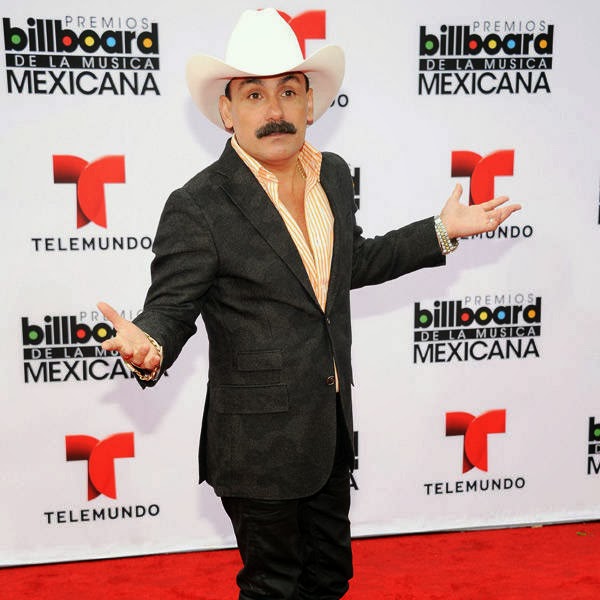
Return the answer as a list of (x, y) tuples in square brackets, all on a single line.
[(476, 397)]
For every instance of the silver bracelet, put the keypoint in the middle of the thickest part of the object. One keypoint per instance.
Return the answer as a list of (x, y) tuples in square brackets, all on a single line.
[(447, 245)]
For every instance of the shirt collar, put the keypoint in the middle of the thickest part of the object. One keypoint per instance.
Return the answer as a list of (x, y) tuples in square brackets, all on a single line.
[(310, 159)]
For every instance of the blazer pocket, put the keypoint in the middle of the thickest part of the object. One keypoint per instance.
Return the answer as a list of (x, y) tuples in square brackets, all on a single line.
[(250, 399), (260, 360)]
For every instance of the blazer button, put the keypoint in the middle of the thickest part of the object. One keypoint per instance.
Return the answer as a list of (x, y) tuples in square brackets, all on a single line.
[(331, 380)]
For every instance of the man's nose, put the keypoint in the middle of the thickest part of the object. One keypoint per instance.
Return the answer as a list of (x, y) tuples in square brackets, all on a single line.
[(274, 108)]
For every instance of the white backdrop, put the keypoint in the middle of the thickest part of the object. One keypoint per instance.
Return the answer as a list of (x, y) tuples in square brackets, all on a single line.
[(533, 369)]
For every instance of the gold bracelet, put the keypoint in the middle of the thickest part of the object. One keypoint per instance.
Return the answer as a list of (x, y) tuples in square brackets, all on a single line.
[(447, 245), (143, 374)]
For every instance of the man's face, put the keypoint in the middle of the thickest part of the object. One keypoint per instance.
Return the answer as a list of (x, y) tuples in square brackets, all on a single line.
[(269, 116)]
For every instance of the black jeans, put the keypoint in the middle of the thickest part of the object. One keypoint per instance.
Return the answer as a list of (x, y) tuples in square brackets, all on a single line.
[(296, 549)]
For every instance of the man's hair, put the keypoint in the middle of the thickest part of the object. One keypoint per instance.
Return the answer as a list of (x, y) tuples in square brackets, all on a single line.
[(228, 86)]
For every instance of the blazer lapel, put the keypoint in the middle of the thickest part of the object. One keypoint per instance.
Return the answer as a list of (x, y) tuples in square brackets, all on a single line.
[(247, 194), (330, 184)]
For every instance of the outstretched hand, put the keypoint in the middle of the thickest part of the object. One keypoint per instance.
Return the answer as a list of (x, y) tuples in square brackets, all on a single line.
[(462, 220), (130, 342)]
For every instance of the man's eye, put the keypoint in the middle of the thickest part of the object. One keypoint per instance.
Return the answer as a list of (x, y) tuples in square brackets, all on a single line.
[(254, 96), (289, 93)]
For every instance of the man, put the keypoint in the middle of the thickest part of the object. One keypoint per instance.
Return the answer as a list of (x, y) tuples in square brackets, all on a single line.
[(263, 244)]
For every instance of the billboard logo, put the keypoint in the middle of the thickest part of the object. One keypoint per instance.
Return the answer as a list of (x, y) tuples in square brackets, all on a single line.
[(450, 330), (48, 35), (485, 57), (100, 456), (63, 330), (475, 431), (89, 179), (353, 482), (593, 466), (81, 55), (355, 171), (459, 41), (67, 348)]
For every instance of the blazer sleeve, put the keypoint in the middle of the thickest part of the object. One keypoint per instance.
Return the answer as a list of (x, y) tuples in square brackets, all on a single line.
[(183, 269), (396, 253), (400, 251)]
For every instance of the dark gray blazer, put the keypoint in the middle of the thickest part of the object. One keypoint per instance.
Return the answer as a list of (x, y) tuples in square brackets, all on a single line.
[(223, 252)]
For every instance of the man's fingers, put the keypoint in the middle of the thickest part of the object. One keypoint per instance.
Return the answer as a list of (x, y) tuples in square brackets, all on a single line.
[(499, 215), (456, 193), (139, 355), (498, 201), (506, 211), (145, 357), (130, 342), (495, 213), (117, 343), (111, 344), (142, 355), (111, 314)]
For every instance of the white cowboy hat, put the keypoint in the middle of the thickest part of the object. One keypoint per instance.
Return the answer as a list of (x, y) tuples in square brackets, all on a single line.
[(263, 44)]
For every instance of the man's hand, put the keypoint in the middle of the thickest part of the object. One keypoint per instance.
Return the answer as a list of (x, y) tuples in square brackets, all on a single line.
[(130, 342), (462, 220)]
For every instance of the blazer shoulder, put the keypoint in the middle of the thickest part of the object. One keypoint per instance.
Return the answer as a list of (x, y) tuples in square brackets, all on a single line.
[(337, 182), (334, 161), (209, 177), (212, 180), (335, 171)]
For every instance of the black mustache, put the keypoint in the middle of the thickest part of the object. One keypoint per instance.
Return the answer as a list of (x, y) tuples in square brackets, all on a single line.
[(275, 127)]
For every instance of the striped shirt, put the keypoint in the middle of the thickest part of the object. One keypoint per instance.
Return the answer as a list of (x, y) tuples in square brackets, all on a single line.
[(316, 255)]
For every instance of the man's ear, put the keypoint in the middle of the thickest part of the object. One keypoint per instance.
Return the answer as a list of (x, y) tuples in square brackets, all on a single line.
[(309, 110), (225, 112)]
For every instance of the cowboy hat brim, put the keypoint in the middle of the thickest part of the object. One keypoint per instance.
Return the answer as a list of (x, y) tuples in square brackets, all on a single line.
[(207, 77)]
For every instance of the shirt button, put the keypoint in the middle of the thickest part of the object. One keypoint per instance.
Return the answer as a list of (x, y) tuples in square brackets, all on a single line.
[(328, 321), (331, 380)]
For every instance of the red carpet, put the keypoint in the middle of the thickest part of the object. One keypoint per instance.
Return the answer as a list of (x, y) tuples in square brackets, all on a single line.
[(558, 562)]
